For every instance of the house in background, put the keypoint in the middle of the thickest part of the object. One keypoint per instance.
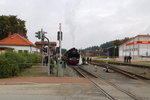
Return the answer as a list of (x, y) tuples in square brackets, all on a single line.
[(137, 47), (18, 43), (44, 45), (92, 53)]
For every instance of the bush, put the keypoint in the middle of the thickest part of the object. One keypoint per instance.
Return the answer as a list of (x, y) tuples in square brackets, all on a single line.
[(16, 58), (8, 68), (31, 58), (11, 62)]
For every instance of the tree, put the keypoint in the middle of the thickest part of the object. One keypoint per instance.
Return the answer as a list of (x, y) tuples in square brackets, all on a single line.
[(125, 39), (106, 45), (92, 48), (11, 24), (63, 51), (117, 42)]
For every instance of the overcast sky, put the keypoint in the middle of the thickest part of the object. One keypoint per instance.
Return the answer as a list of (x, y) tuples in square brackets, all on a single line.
[(84, 22)]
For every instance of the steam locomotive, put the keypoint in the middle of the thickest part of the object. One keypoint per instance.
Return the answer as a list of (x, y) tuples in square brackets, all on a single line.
[(72, 56)]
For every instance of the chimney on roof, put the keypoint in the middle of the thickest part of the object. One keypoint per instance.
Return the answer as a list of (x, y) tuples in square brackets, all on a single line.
[(9, 33)]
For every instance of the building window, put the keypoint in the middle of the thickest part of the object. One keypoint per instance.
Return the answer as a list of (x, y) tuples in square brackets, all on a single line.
[(20, 51), (129, 53), (146, 53), (26, 51)]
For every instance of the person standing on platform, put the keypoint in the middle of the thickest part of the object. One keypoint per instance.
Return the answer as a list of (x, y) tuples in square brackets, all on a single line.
[(125, 59), (51, 65), (46, 60), (83, 60), (129, 59), (90, 60)]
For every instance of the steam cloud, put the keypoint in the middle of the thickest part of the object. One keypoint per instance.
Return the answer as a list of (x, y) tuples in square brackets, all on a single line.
[(70, 17)]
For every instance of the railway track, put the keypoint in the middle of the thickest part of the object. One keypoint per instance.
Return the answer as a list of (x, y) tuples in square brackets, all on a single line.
[(126, 73), (92, 77), (130, 64), (97, 81)]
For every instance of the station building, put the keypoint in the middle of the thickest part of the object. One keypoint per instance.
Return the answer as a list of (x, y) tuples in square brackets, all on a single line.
[(17, 43), (137, 47)]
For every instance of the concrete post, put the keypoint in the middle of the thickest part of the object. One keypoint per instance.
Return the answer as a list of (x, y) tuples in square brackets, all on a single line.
[(59, 68), (59, 65)]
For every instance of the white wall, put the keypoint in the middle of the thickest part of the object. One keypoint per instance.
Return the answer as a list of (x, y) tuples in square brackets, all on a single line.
[(144, 48), (30, 49)]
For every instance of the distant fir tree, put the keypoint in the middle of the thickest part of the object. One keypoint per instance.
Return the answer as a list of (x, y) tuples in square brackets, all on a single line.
[(125, 39), (92, 48), (12, 24), (121, 41), (117, 42), (106, 45)]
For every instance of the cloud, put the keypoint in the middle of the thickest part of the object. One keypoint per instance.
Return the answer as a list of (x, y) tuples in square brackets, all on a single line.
[(84, 22)]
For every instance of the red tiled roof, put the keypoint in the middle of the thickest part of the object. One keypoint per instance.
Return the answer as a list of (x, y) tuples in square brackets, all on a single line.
[(16, 39), (54, 43)]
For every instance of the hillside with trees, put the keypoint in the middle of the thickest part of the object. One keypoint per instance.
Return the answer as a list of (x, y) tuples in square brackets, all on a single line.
[(10, 25), (103, 47)]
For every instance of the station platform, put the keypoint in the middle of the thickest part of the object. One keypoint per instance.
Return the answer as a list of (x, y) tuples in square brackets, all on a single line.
[(50, 80), (49, 88)]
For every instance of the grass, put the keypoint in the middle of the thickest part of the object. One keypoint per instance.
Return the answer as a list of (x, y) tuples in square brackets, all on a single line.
[(142, 63), (112, 60), (33, 71), (35, 66), (105, 59)]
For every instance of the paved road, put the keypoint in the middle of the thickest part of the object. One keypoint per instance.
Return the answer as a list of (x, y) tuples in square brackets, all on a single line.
[(50, 92)]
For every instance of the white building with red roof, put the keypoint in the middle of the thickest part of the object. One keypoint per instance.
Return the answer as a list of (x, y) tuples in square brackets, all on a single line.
[(18, 43), (137, 47)]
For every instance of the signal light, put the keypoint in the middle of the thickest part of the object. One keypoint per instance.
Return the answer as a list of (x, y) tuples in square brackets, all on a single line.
[(38, 35), (59, 35)]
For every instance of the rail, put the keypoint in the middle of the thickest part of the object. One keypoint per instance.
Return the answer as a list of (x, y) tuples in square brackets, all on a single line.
[(114, 85), (126, 73), (96, 84)]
